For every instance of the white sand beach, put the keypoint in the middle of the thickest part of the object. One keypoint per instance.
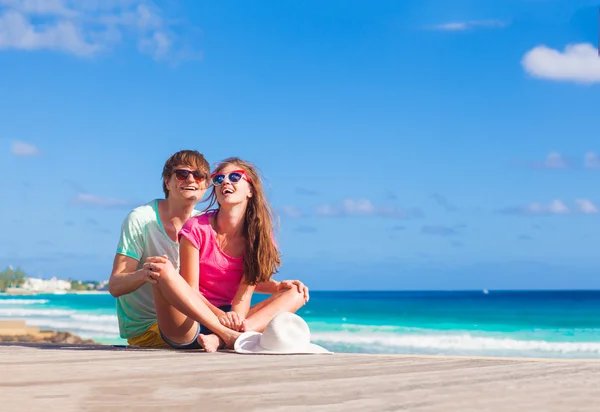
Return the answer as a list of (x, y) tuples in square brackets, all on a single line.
[(101, 378)]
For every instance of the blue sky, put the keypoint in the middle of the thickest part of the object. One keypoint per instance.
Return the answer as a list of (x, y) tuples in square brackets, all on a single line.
[(407, 145)]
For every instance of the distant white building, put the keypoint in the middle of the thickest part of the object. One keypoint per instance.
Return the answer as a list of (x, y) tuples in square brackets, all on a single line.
[(46, 285)]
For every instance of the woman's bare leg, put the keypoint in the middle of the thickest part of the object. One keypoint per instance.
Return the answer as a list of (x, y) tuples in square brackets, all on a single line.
[(178, 306), (261, 314)]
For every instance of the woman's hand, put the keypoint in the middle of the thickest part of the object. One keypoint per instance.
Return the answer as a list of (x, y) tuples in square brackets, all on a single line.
[(289, 284), (231, 320), (158, 266)]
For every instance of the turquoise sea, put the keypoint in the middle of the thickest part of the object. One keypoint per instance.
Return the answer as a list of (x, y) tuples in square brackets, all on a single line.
[(494, 323)]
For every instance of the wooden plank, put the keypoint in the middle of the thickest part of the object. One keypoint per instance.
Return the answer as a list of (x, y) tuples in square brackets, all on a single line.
[(54, 377)]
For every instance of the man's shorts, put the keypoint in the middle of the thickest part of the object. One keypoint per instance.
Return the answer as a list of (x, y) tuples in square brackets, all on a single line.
[(150, 339), (200, 329)]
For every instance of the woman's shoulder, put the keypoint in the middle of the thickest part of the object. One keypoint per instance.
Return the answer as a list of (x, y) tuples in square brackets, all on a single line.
[(200, 221), (196, 229)]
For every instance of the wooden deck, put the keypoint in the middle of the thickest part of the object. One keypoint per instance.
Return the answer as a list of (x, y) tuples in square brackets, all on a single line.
[(61, 378)]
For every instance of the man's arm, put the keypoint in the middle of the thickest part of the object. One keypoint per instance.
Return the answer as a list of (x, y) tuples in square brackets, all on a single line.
[(125, 277)]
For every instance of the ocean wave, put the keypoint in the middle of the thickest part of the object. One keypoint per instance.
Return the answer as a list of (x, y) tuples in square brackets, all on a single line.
[(23, 301), (359, 328), (24, 312), (55, 313), (440, 328), (452, 342), (84, 330), (95, 318), (86, 325)]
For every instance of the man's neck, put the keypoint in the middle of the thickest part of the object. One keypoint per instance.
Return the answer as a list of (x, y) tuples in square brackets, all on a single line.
[(173, 211)]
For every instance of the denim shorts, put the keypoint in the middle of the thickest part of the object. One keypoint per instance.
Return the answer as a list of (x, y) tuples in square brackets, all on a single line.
[(193, 344)]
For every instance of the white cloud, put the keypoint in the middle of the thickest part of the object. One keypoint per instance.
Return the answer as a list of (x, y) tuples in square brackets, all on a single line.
[(577, 63), (467, 25), (364, 207), (158, 45), (555, 207), (16, 31), (555, 160), (86, 28), (358, 207), (24, 149), (592, 161), (326, 210), (587, 207), (56, 7), (292, 211), (86, 199)]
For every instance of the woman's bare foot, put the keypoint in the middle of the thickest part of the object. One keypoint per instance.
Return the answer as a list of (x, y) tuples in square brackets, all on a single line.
[(230, 338), (210, 343)]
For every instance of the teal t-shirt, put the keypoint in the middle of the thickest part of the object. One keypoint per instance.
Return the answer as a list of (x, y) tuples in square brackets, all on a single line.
[(143, 235)]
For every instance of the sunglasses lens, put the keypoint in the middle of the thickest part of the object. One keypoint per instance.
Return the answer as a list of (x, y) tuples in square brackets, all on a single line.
[(218, 179), (181, 174), (235, 177)]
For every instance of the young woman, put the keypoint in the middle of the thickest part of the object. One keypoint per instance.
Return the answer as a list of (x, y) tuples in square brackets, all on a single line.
[(225, 255)]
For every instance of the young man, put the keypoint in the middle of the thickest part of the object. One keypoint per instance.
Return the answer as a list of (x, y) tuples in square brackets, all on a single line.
[(151, 230)]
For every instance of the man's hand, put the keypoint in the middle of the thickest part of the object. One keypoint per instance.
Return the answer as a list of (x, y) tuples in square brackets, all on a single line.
[(157, 266), (289, 284), (231, 320), (125, 277), (147, 275)]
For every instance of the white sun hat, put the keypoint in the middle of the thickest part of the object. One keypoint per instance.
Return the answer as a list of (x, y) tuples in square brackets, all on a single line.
[(287, 333)]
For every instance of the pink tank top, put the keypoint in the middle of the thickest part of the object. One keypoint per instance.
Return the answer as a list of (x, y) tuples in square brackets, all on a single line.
[(220, 274)]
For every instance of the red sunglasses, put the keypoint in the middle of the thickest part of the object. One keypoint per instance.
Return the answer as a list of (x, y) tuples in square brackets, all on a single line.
[(233, 176)]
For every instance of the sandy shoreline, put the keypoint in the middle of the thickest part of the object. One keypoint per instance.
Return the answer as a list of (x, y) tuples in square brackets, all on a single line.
[(18, 331), (75, 377)]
